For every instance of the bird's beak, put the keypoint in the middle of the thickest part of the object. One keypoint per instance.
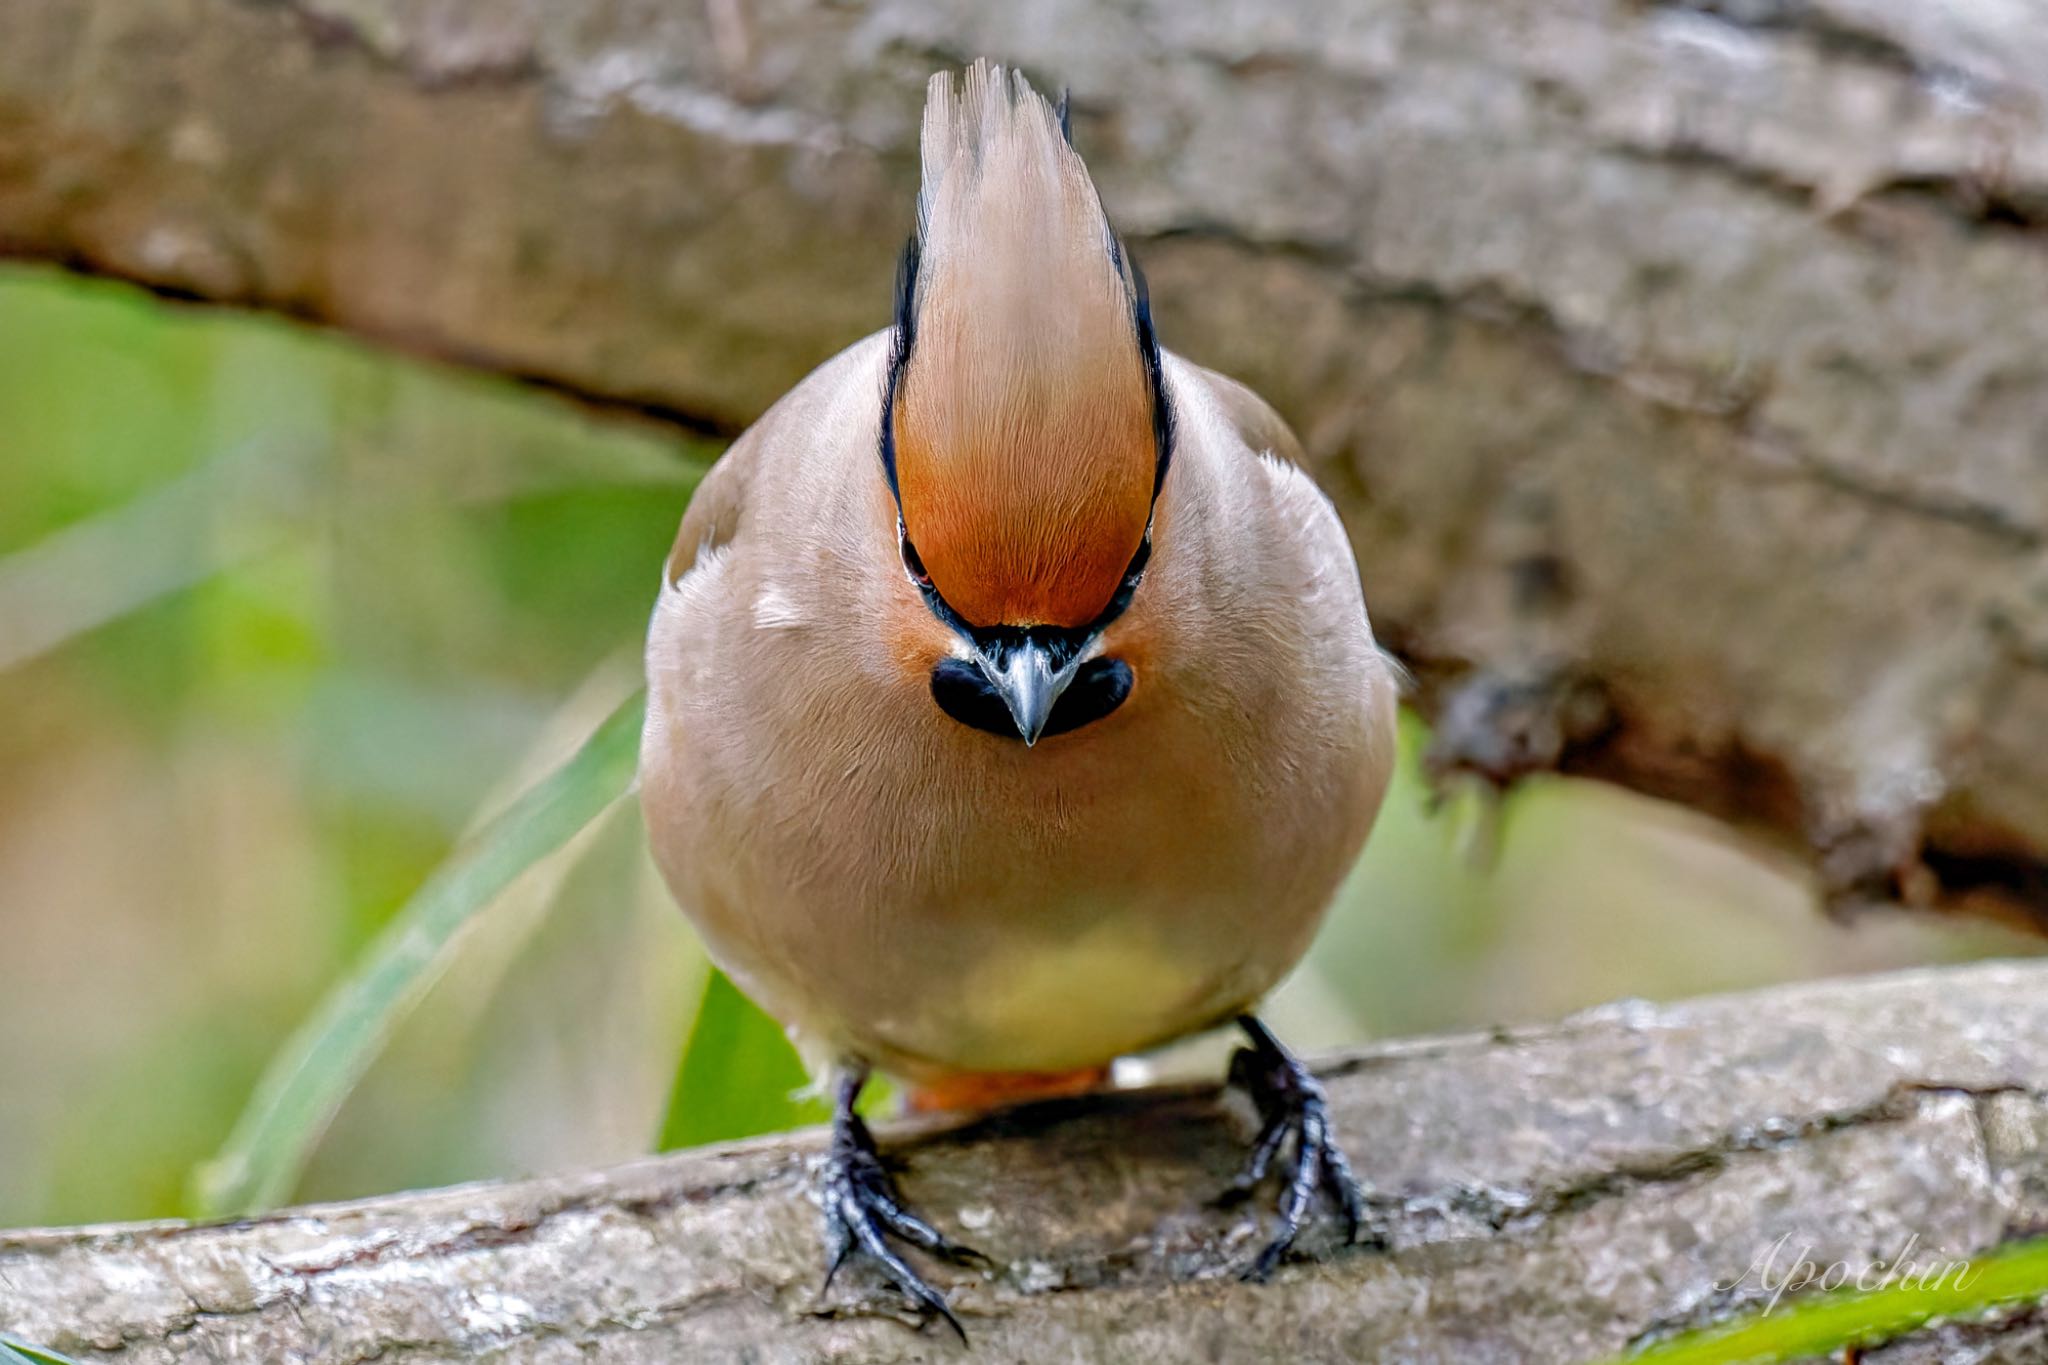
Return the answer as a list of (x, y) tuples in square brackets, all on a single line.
[(1028, 684)]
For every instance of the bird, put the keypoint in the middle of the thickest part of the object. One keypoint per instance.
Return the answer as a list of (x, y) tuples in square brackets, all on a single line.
[(1013, 705)]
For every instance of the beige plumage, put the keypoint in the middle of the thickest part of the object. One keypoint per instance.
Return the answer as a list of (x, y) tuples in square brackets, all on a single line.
[(912, 892)]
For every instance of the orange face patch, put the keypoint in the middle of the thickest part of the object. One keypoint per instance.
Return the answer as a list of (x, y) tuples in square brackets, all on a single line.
[(1026, 498)]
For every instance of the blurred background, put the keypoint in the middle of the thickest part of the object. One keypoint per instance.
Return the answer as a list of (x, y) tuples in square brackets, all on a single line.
[(283, 620)]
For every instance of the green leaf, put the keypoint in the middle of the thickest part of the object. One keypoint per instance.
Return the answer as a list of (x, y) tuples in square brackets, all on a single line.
[(315, 1070), (738, 1075), (1821, 1324), (15, 1351)]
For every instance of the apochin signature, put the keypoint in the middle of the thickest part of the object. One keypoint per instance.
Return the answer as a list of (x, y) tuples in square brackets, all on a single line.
[(1782, 1269)]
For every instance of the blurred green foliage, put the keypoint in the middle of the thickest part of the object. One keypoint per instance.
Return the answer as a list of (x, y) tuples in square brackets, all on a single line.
[(313, 1073), (370, 587), (286, 627)]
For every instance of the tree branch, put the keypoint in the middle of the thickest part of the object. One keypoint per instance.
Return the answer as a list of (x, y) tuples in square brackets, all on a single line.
[(1677, 365), (1549, 1195)]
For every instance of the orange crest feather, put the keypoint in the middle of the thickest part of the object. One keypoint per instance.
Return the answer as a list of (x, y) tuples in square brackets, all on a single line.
[(1025, 454)]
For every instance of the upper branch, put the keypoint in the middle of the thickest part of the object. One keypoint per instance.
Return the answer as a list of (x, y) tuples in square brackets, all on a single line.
[(1679, 366)]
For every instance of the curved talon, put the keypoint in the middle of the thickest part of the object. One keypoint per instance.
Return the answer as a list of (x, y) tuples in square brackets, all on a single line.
[(1248, 1179), (1291, 1103), (863, 1209)]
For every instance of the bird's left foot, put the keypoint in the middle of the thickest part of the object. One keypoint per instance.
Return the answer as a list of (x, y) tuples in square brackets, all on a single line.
[(1291, 1104)]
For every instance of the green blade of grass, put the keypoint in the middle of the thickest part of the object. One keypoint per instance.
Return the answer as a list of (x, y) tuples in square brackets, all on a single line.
[(1822, 1324), (104, 567), (737, 1077), (15, 1351), (315, 1070)]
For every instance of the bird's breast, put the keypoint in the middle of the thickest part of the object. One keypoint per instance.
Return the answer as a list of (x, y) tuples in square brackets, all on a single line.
[(938, 898)]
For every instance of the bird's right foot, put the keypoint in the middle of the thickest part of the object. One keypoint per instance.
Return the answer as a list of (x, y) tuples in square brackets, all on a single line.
[(864, 1209)]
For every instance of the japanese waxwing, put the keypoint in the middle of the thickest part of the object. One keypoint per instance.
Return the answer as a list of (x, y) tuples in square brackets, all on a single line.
[(1012, 702)]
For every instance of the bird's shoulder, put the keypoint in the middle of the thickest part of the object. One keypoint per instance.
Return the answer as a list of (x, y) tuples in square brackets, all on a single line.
[(826, 422), (1262, 429), (716, 507), (1283, 519), (1244, 433)]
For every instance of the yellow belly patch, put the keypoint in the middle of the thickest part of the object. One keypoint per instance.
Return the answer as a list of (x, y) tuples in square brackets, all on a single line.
[(1050, 1006)]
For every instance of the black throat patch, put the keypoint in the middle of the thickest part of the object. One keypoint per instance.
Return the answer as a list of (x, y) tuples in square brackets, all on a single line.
[(1098, 688)]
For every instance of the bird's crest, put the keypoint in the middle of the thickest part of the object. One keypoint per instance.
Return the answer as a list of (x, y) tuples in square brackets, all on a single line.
[(1026, 435)]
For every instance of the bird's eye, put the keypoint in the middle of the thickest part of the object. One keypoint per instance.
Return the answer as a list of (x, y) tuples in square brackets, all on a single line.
[(913, 565), (1135, 574)]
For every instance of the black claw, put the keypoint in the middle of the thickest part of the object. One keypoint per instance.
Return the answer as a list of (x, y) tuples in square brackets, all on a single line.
[(919, 1233), (840, 1239), (1290, 1102), (1256, 1164), (1340, 1184), (863, 1209)]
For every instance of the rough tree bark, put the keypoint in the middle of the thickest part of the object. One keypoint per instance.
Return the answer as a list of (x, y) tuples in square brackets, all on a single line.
[(1548, 1195), (1678, 365)]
